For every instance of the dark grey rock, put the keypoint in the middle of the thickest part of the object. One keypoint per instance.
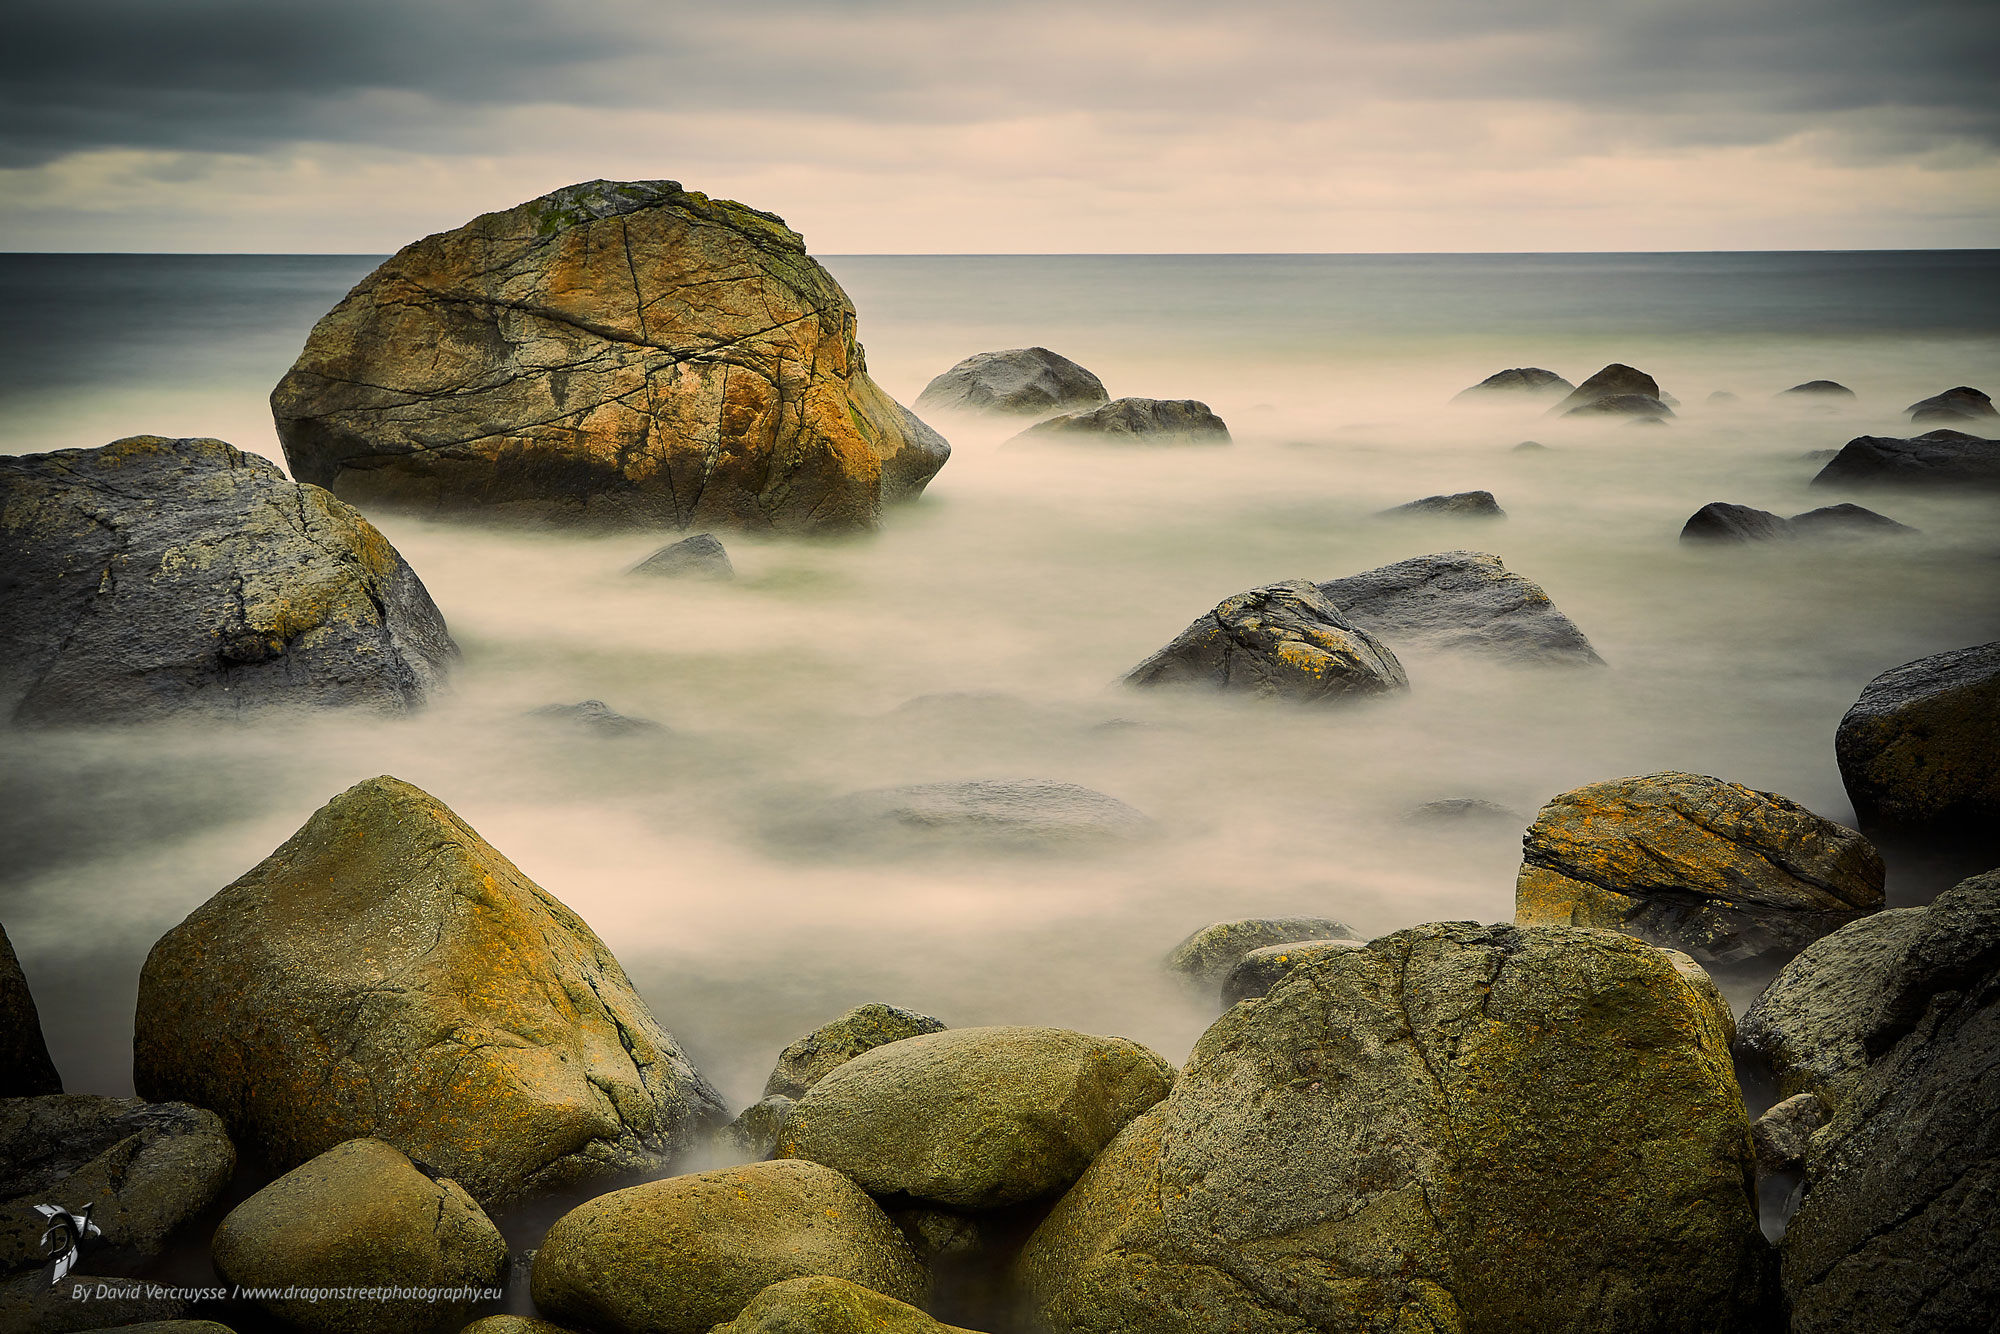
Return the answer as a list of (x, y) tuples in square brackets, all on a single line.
[(1963, 404), (25, 1068), (1461, 601), (152, 576), (1462, 811), (754, 1132), (1022, 381), (1919, 752), (1846, 521), (1260, 970), (1818, 389), (1720, 521), (1531, 447), (1641, 407), (1465, 504), (1936, 458), (1520, 381), (1782, 1134), (1129, 420), (1818, 455), (863, 1028), (1020, 815), (697, 557), (1281, 641), (597, 717), (1210, 954), (1614, 381)]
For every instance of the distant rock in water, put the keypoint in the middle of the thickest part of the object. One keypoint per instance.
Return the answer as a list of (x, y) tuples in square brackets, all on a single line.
[(613, 352), (1462, 811), (1281, 641), (1030, 381), (154, 576), (1963, 404), (1614, 381), (1643, 407), (1141, 420), (594, 715), (698, 557), (1522, 381), (1463, 504), (1817, 389), (1721, 397), (1937, 458), (1019, 815), (1720, 521), (1461, 601), (1846, 521), (1531, 447), (1919, 751)]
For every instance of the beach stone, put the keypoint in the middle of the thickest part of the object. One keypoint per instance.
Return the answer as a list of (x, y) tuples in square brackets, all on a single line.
[(1520, 381), (823, 1304), (598, 718), (1025, 815), (1962, 404), (1720, 521), (1782, 1134), (1462, 602), (388, 973), (151, 576), (1614, 381), (1282, 641), (754, 1132), (25, 1068), (620, 352), (1464, 504), (1134, 420), (1023, 381), (361, 1215), (1936, 458), (1845, 521), (1212, 953), (1919, 751), (685, 1254), (863, 1028), (1696, 864), (1640, 407), (143, 1169), (1462, 811), (698, 557), (974, 1118), (1260, 970), (1818, 389), (1475, 1129)]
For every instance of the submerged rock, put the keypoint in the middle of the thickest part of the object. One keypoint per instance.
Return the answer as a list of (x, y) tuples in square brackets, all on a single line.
[(615, 351), (1937, 458), (698, 557), (1963, 404), (153, 576), (387, 973), (1021, 815), (1212, 953), (1464, 602), (1919, 752), (1021, 381), (1530, 447), (1260, 970), (1458, 1128), (1466, 504), (1696, 864), (830, 1046), (1614, 381), (1821, 389), (1640, 407), (1129, 420), (1845, 521), (1462, 811), (25, 1068), (826, 1305), (1281, 641), (1720, 521), (1521, 381), (594, 715)]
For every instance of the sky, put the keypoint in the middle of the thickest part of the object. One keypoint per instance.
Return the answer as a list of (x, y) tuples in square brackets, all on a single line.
[(1015, 126)]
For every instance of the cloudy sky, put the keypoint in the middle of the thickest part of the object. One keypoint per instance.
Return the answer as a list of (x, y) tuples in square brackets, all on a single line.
[(893, 126)]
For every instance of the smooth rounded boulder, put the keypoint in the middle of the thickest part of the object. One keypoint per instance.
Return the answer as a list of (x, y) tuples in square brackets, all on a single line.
[(1211, 953), (1023, 381), (1919, 751), (1518, 382), (25, 1068), (388, 973), (1720, 521), (1460, 504), (1459, 1129), (1712, 868), (1258, 971), (1134, 420), (832, 1045), (683, 1255), (699, 557), (1963, 403), (826, 1305), (1817, 389), (619, 352), (152, 577), (974, 1118), (1936, 459), (1462, 602), (1614, 381), (1282, 641)]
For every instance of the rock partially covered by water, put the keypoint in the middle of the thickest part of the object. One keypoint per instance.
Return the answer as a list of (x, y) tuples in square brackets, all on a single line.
[(699, 557), (1521, 381), (1210, 954), (1281, 641), (1023, 381), (1639, 407), (598, 718), (387, 973), (1458, 1128), (974, 1118), (1696, 864), (625, 352), (1818, 389), (1920, 750), (25, 1067), (361, 1215), (1846, 521), (1260, 970), (1963, 404), (1937, 458), (1720, 521), (826, 1305), (683, 1255), (1462, 504), (1465, 602), (1462, 811), (830, 1046), (1614, 381), (153, 576), (1135, 421), (1023, 815)]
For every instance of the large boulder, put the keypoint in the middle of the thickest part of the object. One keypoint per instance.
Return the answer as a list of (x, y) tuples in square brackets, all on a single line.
[(1936, 458), (1281, 641), (1712, 868), (1462, 602), (387, 973), (25, 1067), (1614, 381), (1023, 381), (624, 352), (974, 1118), (1519, 382), (361, 1215), (1720, 521), (1817, 389), (1135, 420), (1962, 404), (142, 1169), (1020, 815), (1459, 1129), (682, 1255), (1210, 954), (830, 1046), (152, 576), (826, 1305), (1919, 752)]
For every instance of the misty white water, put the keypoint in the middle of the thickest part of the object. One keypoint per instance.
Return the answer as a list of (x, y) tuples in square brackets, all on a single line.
[(1009, 600)]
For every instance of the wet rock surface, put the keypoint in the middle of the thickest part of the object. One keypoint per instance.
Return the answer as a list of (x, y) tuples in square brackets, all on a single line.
[(1919, 751), (1720, 521), (1961, 404), (1135, 420), (1282, 641), (1936, 458), (1463, 602), (1463, 504), (699, 557), (1023, 381)]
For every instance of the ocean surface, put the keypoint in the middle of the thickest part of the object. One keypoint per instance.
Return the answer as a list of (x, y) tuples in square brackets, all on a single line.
[(982, 631)]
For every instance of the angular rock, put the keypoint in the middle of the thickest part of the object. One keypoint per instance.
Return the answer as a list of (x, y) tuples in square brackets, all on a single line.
[(1936, 458), (25, 1068), (1919, 752), (1720, 521), (1962, 404), (143, 1169), (1640, 407), (1025, 815), (1281, 641), (826, 1305), (1260, 970), (1135, 420), (753, 1135), (1782, 1134), (1695, 864), (387, 973), (1465, 504), (598, 718), (362, 1215), (974, 1118), (1212, 953), (863, 1028), (698, 557), (1614, 381), (1821, 389), (1521, 381), (1845, 521), (1483, 1130), (683, 1255), (1463, 602), (152, 576), (613, 352), (1023, 381)]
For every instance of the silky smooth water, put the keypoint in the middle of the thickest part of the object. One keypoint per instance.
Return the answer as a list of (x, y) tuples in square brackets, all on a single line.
[(982, 631)]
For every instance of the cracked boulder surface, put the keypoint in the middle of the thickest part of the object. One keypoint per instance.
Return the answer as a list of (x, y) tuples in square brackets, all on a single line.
[(1459, 1129), (1461, 602), (1280, 641), (151, 576), (1919, 751), (361, 1215), (615, 353), (1724, 873), (387, 973), (1895, 1232)]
